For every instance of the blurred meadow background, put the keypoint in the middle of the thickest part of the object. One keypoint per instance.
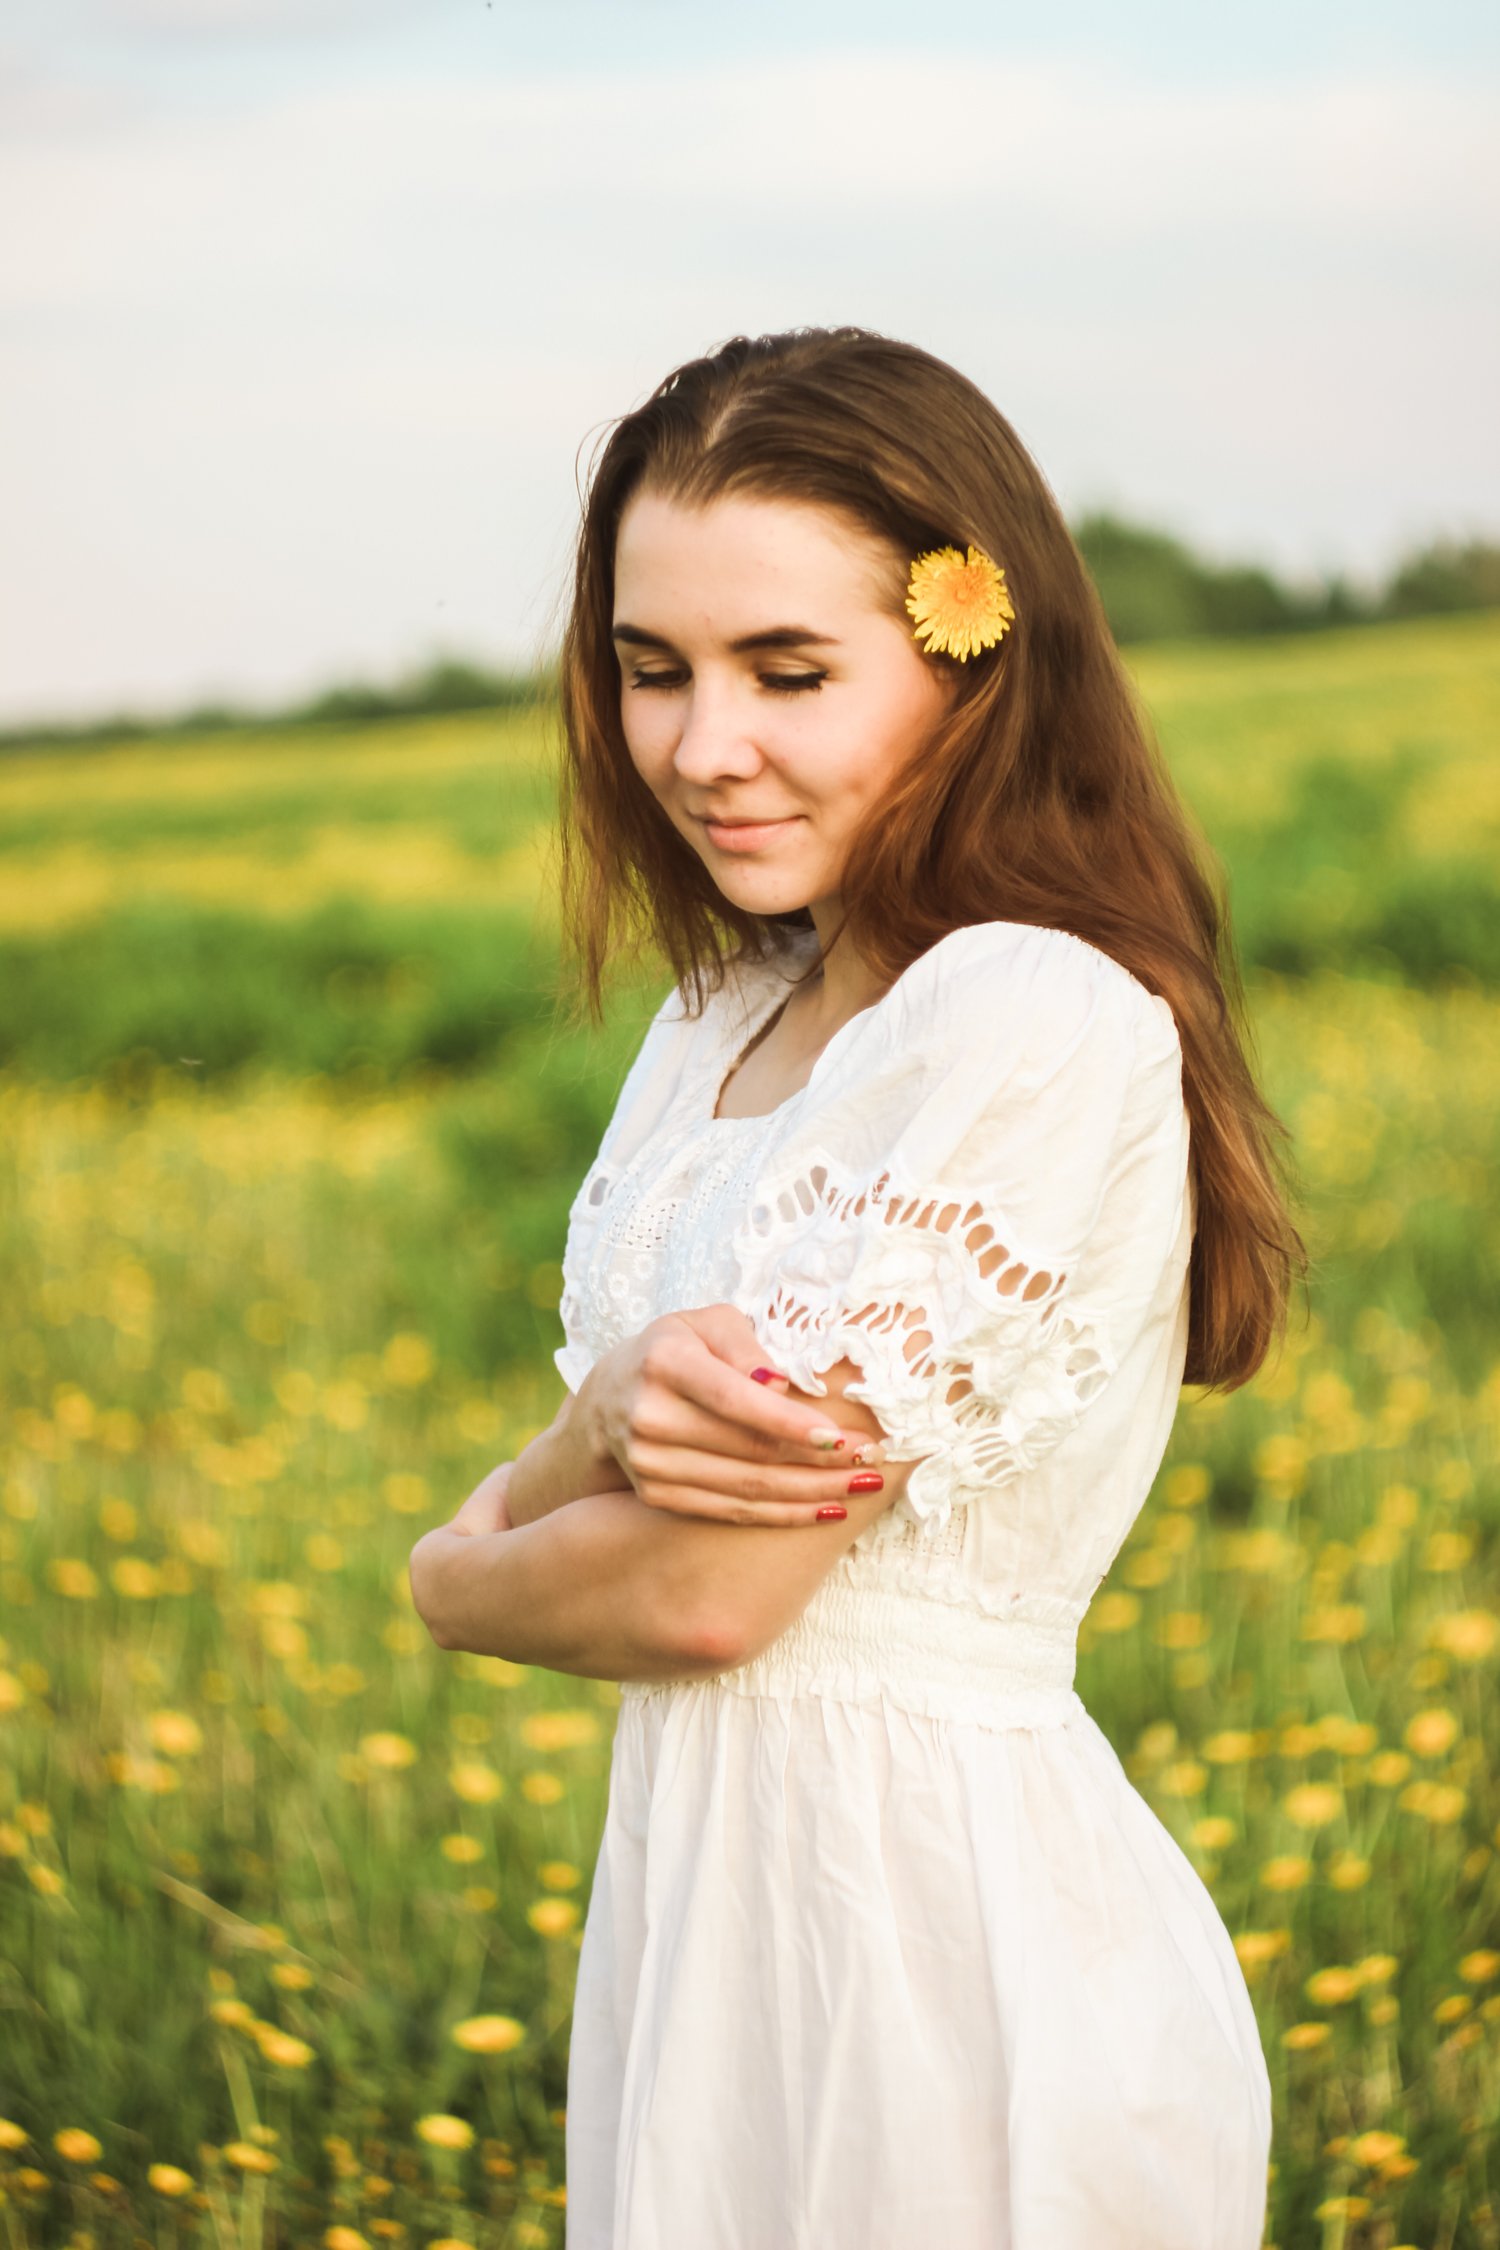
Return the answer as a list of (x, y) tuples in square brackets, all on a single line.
[(292, 1111), (289, 1899)]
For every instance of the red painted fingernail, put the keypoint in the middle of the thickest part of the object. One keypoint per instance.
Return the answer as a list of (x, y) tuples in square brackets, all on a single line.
[(765, 1375), (832, 1515), (866, 1481)]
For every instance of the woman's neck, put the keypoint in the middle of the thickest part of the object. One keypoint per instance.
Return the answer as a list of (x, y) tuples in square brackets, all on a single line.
[(846, 982)]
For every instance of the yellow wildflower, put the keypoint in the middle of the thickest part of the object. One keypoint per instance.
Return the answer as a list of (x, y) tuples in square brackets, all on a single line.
[(1183, 1628), (476, 1783), (246, 2157), (1231, 1747), (389, 1752), (1431, 1733), (134, 1578), (169, 2179), (552, 1917), (1186, 1485), (1330, 1988), (176, 1733), (559, 1730), (406, 1492), (1441, 1802), (958, 602), (1256, 1947), (1313, 1804), (1335, 1622), (77, 2146), (488, 2035), (1471, 1635), (1376, 2147), (407, 1360), (72, 1578), (441, 2131), (1185, 1778)]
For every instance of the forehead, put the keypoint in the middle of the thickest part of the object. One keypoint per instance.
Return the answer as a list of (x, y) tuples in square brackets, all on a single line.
[(746, 551)]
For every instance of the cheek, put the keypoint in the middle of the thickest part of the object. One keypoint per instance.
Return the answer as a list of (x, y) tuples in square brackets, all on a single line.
[(887, 727), (650, 737)]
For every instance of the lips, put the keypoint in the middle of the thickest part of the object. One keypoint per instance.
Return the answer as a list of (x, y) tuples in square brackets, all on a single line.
[(747, 835)]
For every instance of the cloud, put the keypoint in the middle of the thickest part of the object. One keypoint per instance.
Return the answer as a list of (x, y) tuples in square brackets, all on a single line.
[(286, 375), (200, 20)]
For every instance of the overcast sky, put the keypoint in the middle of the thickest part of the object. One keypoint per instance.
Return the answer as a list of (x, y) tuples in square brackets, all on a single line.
[(307, 307)]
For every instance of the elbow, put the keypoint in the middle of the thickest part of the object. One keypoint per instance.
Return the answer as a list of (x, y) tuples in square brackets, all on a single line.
[(709, 1639), (419, 1580)]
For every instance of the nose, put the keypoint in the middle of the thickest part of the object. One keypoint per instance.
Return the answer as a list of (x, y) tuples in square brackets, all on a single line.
[(714, 738)]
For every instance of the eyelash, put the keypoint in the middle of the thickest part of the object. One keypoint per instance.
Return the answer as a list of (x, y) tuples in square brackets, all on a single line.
[(779, 683)]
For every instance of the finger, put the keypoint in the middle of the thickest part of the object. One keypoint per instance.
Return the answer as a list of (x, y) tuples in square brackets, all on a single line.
[(715, 1507), (677, 1420), (759, 1483), (705, 1378)]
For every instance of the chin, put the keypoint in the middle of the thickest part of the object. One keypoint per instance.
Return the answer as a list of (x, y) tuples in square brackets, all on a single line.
[(765, 897)]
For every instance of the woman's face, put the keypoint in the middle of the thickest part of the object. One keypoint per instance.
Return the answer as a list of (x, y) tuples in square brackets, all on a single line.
[(770, 685)]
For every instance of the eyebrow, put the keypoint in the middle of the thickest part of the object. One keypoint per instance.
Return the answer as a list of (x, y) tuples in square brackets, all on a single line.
[(775, 636)]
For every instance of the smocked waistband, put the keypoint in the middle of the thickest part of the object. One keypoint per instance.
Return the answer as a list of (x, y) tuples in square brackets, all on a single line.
[(930, 1658)]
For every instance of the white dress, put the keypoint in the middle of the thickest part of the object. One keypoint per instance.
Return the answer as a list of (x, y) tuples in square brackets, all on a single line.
[(884, 1949)]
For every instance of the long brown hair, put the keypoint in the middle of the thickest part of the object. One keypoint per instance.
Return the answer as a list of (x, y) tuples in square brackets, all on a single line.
[(1042, 797)]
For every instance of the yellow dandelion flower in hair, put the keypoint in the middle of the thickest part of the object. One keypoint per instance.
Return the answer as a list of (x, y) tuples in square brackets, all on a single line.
[(958, 602)]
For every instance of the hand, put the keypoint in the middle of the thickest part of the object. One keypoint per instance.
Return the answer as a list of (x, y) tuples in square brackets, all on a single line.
[(679, 1409)]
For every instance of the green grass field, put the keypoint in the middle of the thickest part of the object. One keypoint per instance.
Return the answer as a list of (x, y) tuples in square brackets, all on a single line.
[(290, 1900)]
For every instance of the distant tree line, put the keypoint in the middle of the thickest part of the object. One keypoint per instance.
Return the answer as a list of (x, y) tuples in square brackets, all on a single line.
[(1155, 588), (449, 685), (1152, 585)]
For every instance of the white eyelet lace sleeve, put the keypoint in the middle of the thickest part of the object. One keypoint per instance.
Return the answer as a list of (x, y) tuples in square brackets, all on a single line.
[(987, 1268)]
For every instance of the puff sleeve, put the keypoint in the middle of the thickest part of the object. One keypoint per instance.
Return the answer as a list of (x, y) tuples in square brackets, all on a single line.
[(984, 1209)]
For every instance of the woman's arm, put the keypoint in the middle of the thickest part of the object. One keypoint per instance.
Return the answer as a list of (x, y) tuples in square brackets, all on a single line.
[(684, 1415), (561, 1464), (611, 1589)]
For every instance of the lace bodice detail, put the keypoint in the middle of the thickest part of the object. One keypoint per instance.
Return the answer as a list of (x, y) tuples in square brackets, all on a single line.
[(981, 1198)]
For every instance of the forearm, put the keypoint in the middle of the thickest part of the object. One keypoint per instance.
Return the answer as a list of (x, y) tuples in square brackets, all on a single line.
[(612, 1589), (561, 1464), (601, 1588)]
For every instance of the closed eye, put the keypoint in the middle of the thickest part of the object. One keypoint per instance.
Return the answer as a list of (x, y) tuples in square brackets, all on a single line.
[(777, 683)]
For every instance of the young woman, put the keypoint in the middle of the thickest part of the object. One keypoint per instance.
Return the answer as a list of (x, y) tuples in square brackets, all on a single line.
[(939, 1170)]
